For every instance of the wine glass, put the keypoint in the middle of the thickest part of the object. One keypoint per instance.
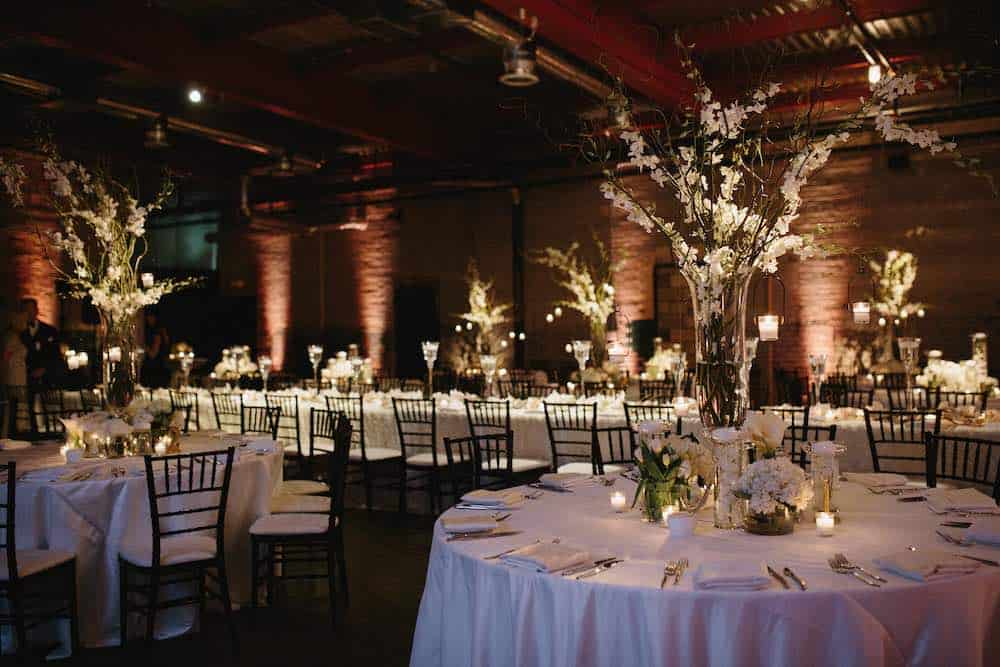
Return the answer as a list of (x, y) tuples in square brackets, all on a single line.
[(909, 350), (315, 356), (488, 363), (817, 368), (430, 350), (581, 351), (265, 364)]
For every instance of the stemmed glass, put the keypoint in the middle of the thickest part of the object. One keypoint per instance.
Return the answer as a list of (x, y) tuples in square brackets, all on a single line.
[(817, 368), (488, 363), (909, 349), (430, 350), (187, 361), (315, 356), (581, 351), (265, 364), (678, 364)]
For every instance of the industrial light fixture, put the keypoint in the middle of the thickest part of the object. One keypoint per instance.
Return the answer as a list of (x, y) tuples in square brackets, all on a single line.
[(858, 303), (520, 58), (195, 96), (156, 135), (769, 321), (619, 110), (874, 73), (283, 168)]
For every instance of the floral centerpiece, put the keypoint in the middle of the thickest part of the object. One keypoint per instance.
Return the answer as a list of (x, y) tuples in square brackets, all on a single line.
[(592, 291), (776, 489), (103, 237), (481, 331), (129, 431), (955, 376), (895, 277), (669, 467)]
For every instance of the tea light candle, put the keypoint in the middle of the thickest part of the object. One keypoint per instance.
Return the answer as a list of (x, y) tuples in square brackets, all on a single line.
[(825, 522), (147, 280), (681, 524), (767, 326), (668, 510), (160, 448), (618, 501), (115, 355)]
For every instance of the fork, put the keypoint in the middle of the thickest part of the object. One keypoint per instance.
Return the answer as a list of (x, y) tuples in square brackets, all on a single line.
[(848, 565), (953, 540), (669, 570), (857, 575), (682, 565)]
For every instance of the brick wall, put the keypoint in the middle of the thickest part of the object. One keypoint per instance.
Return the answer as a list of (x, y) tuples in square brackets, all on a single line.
[(273, 254)]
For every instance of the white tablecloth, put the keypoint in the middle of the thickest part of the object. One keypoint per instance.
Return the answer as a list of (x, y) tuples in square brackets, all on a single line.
[(477, 612), (92, 518)]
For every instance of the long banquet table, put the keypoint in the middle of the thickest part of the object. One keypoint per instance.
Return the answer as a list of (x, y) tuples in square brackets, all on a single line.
[(482, 612), (93, 518)]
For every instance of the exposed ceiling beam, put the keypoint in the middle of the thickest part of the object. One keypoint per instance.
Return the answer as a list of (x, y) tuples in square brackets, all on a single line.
[(341, 60), (162, 46), (649, 65), (736, 33)]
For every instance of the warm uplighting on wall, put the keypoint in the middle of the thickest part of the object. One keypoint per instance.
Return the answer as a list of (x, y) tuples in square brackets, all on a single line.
[(274, 294), (374, 252), (874, 73)]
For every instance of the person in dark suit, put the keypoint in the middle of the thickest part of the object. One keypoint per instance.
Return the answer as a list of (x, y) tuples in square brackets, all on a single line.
[(44, 360)]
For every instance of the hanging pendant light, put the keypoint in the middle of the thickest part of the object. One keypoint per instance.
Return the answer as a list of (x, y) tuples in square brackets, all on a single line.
[(156, 135), (520, 57), (769, 322), (860, 307)]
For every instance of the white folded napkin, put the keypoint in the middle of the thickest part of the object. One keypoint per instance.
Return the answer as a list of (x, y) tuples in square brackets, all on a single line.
[(926, 564), (499, 499), (874, 480), (562, 480), (547, 557), (468, 524), (985, 531), (731, 576), (10, 445), (961, 500)]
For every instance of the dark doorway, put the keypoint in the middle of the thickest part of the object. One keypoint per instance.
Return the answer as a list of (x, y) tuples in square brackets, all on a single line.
[(415, 318)]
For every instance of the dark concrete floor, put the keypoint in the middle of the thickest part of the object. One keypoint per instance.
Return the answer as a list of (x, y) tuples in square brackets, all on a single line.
[(386, 563)]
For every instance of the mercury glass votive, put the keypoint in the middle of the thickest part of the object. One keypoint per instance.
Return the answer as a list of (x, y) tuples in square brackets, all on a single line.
[(767, 327), (862, 312), (618, 501), (825, 523)]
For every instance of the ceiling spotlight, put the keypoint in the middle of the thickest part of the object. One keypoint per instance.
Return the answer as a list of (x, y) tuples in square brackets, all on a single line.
[(195, 96), (520, 58), (874, 74), (156, 136), (283, 168), (619, 115)]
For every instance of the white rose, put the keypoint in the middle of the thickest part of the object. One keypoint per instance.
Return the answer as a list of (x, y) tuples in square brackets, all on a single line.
[(766, 429)]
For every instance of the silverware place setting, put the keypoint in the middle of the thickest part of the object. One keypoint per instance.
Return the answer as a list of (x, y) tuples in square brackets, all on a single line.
[(555, 540), (845, 563), (840, 569), (669, 570), (598, 569), (780, 579), (794, 577), (984, 561), (573, 570), (482, 534)]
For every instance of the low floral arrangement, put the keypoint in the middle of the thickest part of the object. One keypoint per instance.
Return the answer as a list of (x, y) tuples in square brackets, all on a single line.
[(766, 432), (955, 376), (669, 467), (772, 485), (95, 429)]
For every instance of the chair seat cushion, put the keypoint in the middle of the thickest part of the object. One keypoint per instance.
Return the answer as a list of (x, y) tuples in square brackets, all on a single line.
[(588, 469), (291, 524), (518, 465), (291, 448), (426, 460), (173, 550), (287, 503), (33, 561), (376, 454), (302, 487)]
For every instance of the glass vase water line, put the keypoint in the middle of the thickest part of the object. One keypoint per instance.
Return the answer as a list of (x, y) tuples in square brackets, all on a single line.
[(120, 370)]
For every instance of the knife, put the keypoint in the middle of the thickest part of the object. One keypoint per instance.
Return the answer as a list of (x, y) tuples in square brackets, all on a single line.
[(781, 579), (984, 561), (681, 568), (482, 534), (557, 489), (600, 568), (578, 569), (801, 582)]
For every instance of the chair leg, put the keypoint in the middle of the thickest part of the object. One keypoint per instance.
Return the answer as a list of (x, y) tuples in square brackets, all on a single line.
[(331, 584), (342, 565), (154, 592), (122, 603), (227, 606), (74, 624)]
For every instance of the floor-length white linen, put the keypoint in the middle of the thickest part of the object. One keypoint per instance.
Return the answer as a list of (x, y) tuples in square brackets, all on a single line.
[(93, 518), (483, 613)]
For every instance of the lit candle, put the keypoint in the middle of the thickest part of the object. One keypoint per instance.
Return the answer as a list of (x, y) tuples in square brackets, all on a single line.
[(862, 312), (115, 355), (147, 280), (667, 511), (618, 501), (767, 325), (82, 358), (824, 524), (160, 448), (73, 362)]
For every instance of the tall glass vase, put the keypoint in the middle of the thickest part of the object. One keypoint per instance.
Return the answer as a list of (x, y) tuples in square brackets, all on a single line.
[(722, 385), (598, 344), (120, 362)]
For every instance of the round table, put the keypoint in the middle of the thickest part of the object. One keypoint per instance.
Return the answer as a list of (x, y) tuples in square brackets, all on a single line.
[(92, 518), (479, 612)]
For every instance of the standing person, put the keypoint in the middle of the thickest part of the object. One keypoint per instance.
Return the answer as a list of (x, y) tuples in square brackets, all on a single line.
[(42, 342), (14, 371), (155, 371)]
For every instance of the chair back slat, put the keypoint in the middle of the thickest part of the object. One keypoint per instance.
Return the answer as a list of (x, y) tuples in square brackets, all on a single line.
[(288, 422), (260, 419), (8, 511), (186, 398), (613, 445), (228, 410), (571, 431), (636, 413), (661, 391), (473, 459), (487, 416), (914, 398), (898, 436), (523, 388), (416, 422), (352, 407), (961, 399), (968, 460)]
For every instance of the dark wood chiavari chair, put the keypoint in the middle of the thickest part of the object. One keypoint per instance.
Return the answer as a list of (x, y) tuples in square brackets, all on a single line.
[(798, 432), (228, 409), (893, 381), (571, 435), (186, 398), (968, 460), (613, 449), (471, 384), (38, 585), (636, 413), (659, 391), (444, 380), (366, 459), (260, 419), (901, 434), (92, 399), (688, 384), (598, 389), (813, 433), (21, 413), (487, 416), (313, 385), (187, 490), (855, 398), (51, 409), (416, 423), (480, 461), (960, 399), (915, 398), (300, 540), (522, 389), (289, 433), (521, 374)]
